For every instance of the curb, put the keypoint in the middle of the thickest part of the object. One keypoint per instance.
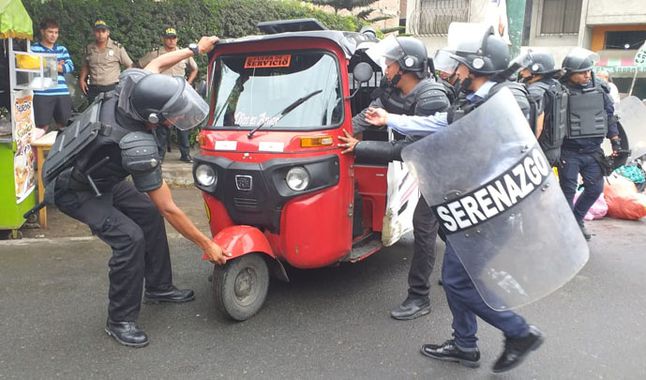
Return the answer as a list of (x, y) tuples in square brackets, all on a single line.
[(63, 240)]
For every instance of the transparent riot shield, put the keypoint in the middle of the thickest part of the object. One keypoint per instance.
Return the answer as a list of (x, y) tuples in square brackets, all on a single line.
[(632, 116), (499, 204)]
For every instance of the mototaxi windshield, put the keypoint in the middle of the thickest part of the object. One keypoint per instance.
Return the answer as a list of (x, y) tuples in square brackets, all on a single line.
[(253, 89)]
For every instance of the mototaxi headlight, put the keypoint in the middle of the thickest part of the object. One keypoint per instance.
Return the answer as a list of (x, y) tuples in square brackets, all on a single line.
[(297, 178), (205, 175)]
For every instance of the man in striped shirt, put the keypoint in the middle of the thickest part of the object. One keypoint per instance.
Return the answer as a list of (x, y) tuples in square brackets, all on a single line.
[(54, 102)]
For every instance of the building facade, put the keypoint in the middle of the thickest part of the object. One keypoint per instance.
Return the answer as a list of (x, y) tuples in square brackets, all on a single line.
[(615, 29)]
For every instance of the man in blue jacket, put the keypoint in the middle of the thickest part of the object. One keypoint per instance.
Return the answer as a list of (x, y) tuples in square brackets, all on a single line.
[(54, 102)]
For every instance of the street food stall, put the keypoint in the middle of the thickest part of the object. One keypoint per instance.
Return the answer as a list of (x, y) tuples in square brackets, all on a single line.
[(26, 71)]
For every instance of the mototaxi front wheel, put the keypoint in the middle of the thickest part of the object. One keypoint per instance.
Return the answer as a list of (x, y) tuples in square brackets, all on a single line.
[(240, 286)]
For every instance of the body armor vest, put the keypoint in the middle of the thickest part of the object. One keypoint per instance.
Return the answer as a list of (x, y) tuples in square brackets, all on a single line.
[(86, 145), (395, 102), (519, 91), (555, 120), (587, 116)]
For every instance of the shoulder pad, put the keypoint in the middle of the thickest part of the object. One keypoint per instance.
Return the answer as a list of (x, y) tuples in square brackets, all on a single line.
[(603, 86), (427, 85), (432, 97), (139, 156), (516, 88)]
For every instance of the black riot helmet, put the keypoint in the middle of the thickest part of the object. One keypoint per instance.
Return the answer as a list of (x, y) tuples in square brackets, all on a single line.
[(157, 98), (482, 52), (539, 63), (579, 60), (410, 54)]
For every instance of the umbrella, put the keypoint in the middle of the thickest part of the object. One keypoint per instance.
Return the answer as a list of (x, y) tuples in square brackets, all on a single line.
[(14, 20)]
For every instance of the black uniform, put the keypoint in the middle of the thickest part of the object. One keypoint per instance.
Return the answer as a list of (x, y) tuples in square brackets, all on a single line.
[(425, 99), (122, 216), (552, 99), (581, 152)]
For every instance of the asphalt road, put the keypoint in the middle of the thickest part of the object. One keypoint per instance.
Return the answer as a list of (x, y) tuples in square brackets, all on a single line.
[(331, 323)]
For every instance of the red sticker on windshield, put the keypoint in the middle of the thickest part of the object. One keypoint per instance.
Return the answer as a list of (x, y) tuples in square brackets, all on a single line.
[(266, 61)]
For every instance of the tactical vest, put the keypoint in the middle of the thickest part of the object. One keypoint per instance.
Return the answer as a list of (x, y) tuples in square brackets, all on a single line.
[(74, 149), (527, 105), (555, 120), (396, 103), (587, 115)]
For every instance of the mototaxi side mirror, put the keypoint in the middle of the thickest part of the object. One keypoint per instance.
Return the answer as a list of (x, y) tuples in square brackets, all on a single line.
[(361, 73)]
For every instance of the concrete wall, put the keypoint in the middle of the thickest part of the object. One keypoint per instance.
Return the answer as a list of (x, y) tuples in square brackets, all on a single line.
[(615, 12), (536, 39), (476, 14)]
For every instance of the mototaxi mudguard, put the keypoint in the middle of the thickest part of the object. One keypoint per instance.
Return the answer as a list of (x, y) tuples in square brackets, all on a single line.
[(240, 240)]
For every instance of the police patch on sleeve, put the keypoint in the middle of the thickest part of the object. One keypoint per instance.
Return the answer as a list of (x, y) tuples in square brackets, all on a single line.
[(497, 196)]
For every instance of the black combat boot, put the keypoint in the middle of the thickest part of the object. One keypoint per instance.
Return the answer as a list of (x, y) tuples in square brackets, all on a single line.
[(517, 349), (172, 295), (411, 308), (448, 351), (127, 333)]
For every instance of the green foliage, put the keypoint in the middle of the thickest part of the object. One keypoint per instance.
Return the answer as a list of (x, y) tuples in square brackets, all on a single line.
[(138, 24), (343, 4)]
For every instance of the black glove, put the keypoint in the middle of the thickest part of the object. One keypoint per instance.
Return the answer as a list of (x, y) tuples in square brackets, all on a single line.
[(616, 145)]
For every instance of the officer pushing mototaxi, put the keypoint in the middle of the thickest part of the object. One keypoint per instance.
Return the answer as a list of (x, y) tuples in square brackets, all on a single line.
[(591, 118), (410, 91), (482, 57), (85, 176)]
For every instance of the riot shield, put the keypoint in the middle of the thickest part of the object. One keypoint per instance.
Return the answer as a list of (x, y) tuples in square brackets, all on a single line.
[(499, 204), (632, 116)]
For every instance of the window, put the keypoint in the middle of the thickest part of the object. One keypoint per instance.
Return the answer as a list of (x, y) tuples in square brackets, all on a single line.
[(561, 16), (435, 16), (282, 90), (625, 40)]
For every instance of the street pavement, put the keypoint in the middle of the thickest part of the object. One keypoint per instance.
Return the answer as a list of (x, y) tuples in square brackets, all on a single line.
[(330, 323)]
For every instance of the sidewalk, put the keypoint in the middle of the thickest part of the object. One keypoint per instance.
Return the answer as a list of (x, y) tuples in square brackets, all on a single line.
[(176, 173)]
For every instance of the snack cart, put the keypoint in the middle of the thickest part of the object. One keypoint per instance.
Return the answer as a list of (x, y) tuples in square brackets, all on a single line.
[(26, 72)]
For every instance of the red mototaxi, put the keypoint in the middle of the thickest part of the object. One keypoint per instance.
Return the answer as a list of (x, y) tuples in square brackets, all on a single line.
[(275, 184)]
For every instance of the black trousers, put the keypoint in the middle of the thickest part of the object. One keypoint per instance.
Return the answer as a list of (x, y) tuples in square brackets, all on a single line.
[(94, 90), (128, 221), (162, 134), (425, 226)]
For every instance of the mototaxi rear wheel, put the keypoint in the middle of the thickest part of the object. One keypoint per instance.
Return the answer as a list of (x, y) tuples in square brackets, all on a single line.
[(240, 286)]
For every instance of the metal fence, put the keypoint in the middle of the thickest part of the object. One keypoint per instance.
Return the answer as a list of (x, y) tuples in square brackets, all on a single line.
[(433, 17)]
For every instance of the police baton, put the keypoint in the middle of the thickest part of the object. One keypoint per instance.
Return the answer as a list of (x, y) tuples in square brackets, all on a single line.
[(87, 173)]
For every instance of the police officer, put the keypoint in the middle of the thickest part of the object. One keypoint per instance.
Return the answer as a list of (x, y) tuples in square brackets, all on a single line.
[(102, 63), (481, 59), (86, 172), (410, 91), (445, 68), (590, 120), (169, 39), (538, 73)]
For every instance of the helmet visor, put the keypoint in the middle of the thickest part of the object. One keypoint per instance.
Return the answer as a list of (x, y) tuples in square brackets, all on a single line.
[(524, 60), (444, 62), (386, 52), (581, 54), (186, 109)]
